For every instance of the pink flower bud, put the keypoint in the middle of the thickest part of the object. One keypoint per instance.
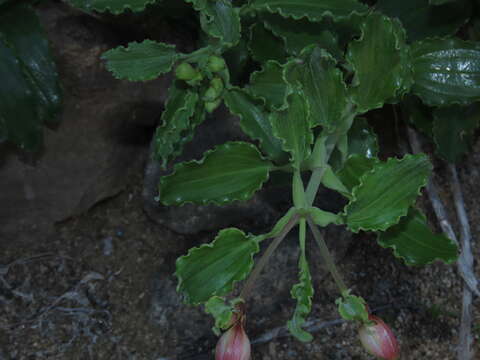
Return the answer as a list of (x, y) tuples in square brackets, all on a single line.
[(234, 344), (379, 340)]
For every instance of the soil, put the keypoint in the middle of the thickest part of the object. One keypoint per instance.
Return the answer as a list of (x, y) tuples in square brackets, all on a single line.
[(101, 286)]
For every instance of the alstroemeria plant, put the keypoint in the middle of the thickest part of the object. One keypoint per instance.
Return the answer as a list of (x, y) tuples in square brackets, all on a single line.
[(320, 68)]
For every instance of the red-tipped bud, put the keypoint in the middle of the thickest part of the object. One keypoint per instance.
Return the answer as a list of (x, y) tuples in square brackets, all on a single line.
[(234, 344), (379, 340)]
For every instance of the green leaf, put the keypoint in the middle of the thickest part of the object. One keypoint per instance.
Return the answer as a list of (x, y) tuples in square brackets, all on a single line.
[(386, 192), (323, 86), (221, 20), (446, 71), (414, 242), (323, 218), (440, 2), (302, 292), (354, 168), (268, 85), (331, 181), (352, 308), (418, 114), (292, 126), (30, 93), (381, 47), (222, 312), (140, 61), (232, 171), (30, 45), (314, 10), (264, 45), (170, 136), (19, 120), (298, 34), (362, 140), (212, 269), (113, 6), (453, 130), (254, 121), (421, 20), (278, 227)]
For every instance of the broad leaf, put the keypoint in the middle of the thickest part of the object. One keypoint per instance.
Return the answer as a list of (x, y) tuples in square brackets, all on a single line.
[(113, 6), (421, 20), (221, 20), (414, 242), (453, 130), (381, 47), (292, 126), (264, 45), (254, 122), (140, 61), (30, 45), (354, 168), (30, 93), (232, 171), (170, 136), (323, 86), (386, 192), (314, 10), (212, 269), (298, 34), (19, 121), (268, 85), (447, 71)]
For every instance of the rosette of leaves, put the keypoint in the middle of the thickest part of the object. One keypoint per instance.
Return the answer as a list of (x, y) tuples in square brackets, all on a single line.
[(300, 108)]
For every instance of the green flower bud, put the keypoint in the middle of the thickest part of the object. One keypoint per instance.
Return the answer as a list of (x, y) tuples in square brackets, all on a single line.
[(216, 63), (215, 90), (210, 106), (185, 71), (196, 80)]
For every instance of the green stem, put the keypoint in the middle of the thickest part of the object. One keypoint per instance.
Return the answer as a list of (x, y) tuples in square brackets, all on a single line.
[(327, 257), (266, 256)]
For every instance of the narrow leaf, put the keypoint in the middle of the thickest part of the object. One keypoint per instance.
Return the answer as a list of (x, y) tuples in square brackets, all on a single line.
[(385, 193), (314, 10), (303, 293), (323, 86), (453, 130), (293, 127), (447, 71), (323, 218), (381, 47), (254, 122), (170, 136), (232, 171), (421, 20), (212, 269), (414, 242), (140, 61)]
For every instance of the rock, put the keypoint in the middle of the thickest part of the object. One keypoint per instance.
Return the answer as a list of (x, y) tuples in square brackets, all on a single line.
[(102, 136)]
